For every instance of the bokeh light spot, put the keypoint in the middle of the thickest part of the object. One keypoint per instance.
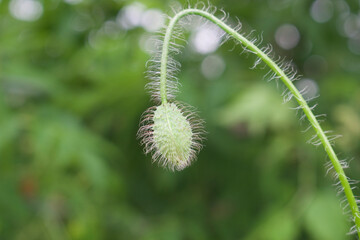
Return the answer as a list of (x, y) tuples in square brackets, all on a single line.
[(322, 10), (206, 40), (287, 36), (309, 87), (130, 16), (354, 45), (212, 67), (352, 25), (26, 10), (73, 2), (152, 20)]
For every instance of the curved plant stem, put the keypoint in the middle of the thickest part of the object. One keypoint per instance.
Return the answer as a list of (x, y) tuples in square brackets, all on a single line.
[(280, 73)]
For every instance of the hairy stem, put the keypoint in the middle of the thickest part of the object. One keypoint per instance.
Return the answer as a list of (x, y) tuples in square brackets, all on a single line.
[(280, 73)]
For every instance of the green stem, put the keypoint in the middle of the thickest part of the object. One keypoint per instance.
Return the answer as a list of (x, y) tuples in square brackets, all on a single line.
[(280, 73)]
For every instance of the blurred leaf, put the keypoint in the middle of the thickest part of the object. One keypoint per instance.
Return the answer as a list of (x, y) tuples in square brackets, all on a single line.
[(324, 219), (260, 107), (281, 225)]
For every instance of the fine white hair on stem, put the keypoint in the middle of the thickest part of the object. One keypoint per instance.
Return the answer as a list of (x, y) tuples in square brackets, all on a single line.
[(173, 66), (353, 230), (344, 204)]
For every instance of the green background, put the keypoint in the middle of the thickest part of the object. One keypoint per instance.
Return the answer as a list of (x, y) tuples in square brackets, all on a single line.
[(71, 96)]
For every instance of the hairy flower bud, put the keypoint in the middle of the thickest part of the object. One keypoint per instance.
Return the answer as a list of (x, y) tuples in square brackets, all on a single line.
[(171, 134)]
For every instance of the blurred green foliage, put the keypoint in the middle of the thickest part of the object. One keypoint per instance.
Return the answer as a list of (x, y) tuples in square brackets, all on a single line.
[(71, 96)]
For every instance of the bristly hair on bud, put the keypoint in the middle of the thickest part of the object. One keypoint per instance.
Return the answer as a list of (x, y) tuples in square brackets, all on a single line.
[(172, 133)]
